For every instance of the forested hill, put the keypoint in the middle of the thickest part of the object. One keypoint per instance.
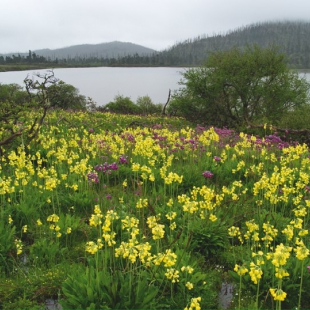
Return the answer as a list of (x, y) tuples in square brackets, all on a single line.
[(114, 49), (293, 38), (107, 50)]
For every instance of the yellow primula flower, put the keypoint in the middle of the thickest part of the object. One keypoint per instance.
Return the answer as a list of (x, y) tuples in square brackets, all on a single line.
[(277, 294), (240, 270), (172, 274), (255, 272), (302, 252), (171, 215), (281, 273), (53, 218), (189, 285), (188, 269), (195, 304), (212, 218), (19, 246)]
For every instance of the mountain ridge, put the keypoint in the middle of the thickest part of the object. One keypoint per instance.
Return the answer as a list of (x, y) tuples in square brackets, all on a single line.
[(105, 49), (292, 38)]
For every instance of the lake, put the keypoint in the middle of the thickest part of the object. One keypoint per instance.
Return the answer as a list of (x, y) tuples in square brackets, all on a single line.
[(104, 83)]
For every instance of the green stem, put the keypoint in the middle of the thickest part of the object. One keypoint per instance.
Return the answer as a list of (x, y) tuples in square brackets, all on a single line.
[(239, 297), (257, 293), (300, 287)]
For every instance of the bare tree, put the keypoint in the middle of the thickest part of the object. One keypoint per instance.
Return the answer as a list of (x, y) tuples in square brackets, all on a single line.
[(13, 114)]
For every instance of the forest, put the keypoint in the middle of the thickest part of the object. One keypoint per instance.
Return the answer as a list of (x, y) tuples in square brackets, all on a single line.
[(292, 38)]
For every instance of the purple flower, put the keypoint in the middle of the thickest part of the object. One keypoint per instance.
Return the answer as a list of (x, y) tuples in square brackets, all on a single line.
[(207, 174), (113, 166), (108, 196), (308, 267), (216, 158), (123, 159), (91, 130), (93, 177), (106, 168)]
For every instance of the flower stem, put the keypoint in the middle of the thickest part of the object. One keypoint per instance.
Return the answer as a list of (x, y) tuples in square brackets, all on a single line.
[(300, 286)]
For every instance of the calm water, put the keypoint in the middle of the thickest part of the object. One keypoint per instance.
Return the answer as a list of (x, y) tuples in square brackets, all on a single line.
[(103, 84)]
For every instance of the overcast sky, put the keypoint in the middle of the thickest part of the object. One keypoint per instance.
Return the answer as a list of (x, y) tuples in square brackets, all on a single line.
[(158, 24)]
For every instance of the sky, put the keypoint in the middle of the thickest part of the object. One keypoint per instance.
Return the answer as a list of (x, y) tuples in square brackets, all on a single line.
[(157, 24)]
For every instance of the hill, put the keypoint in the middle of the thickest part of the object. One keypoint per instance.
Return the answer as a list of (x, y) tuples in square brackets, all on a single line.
[(103, 50), (293, 38)]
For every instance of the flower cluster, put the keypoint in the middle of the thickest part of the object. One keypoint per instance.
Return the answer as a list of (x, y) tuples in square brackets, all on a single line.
[(207, 174), (106, 168)]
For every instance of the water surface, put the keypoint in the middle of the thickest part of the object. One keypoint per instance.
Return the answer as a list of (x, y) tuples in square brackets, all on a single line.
[(104, 83)]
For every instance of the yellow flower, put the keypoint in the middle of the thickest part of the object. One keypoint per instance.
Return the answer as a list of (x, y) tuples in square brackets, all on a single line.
[(91, 247), (277, 294), (95, 220), (240, 270), (189, 285), (171, 215), (142, 203), (109, 238), (53, 218), (169, 258), (212, 218), (280, 256), (170, 202), (75, 187), (234, 231), (194, 305), (10, 220), (172, 274), (173, 226), (188, 269), (301, 252), (281, 273), (158, 231), (69, 230), (303, 232), (24, 228), (19, 246), (255, 273), (39, 223)]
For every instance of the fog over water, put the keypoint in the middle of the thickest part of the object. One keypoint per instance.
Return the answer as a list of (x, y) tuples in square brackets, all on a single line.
[(104, 83)]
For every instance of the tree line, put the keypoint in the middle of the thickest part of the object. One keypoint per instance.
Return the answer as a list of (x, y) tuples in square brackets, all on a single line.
[(292, 39)]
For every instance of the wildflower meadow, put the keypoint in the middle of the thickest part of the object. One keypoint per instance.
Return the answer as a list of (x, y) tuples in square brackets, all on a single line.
[(105, 211)]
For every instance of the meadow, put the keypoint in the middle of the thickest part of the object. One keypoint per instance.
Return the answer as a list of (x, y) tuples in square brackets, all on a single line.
[(108, 211)]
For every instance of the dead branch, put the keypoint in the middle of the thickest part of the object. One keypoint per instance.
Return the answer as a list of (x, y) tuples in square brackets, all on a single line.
[(164, 108), (9, 139)]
